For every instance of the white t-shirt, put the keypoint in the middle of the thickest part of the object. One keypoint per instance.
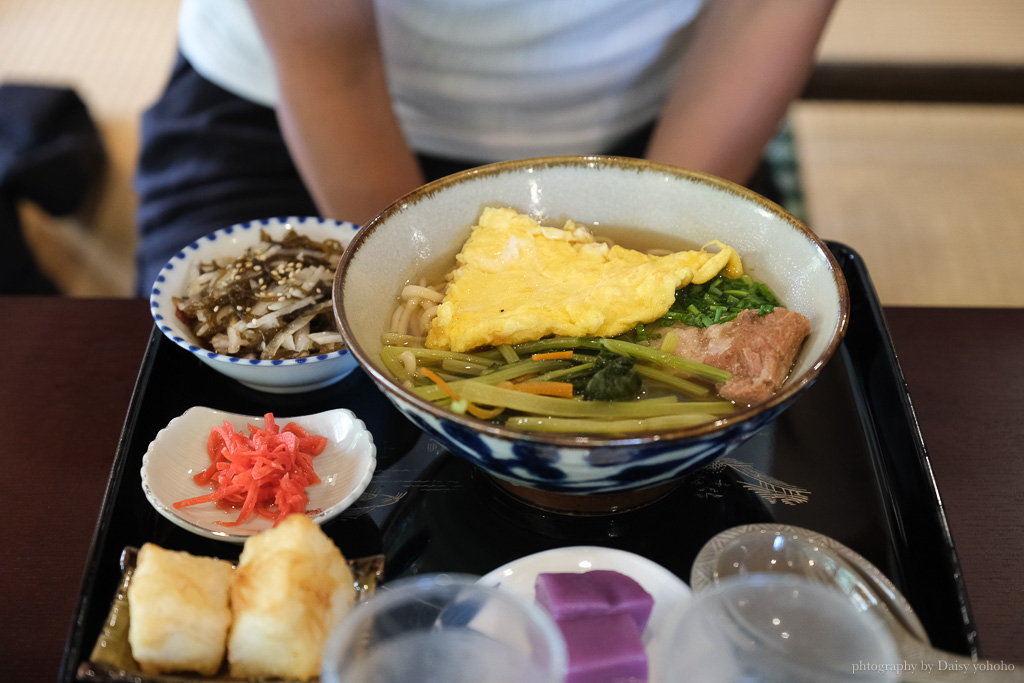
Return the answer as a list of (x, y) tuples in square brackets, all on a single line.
[(485, 80)]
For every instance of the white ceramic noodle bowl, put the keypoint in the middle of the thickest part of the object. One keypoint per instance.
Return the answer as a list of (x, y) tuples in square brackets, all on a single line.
[(426, 228)]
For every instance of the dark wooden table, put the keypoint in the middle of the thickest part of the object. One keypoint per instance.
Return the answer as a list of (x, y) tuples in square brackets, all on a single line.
[(68, 368)]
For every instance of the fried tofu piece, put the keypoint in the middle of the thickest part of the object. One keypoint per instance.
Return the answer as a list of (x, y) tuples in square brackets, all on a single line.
[(179, 610), (291, 587), (516, 280)]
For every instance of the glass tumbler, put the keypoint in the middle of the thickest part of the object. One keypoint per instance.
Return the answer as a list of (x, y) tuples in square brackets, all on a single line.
[(777, 628), (444, 627)]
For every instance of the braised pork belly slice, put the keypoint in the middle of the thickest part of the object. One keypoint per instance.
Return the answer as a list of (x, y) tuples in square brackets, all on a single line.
[(757, 349)]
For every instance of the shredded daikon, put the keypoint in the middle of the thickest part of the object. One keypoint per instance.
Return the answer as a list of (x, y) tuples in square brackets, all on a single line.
[(272, 302)]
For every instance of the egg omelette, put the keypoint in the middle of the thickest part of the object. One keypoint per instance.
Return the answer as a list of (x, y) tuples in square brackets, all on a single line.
[(516, 281)]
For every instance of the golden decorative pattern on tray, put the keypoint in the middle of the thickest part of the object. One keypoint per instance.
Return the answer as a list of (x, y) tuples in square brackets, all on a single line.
[(769, 488)]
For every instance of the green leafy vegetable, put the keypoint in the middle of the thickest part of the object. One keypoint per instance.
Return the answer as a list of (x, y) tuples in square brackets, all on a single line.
[(721, 299), (716, 301), (614, 378)]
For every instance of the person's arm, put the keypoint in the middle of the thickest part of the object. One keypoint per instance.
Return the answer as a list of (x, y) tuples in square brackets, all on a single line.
[(334, 108), (748, 61)]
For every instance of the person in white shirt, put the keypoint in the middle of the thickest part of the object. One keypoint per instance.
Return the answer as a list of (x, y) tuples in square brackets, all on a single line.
[(339, 107)]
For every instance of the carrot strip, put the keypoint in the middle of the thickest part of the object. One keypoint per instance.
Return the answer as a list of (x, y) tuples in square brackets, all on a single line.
[(483, 413), (559, 389), (553, 355), (474, 410), (445, 387)]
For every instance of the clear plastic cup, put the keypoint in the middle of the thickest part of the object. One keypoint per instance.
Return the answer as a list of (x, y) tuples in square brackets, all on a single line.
[(444, 627), (770, 628)]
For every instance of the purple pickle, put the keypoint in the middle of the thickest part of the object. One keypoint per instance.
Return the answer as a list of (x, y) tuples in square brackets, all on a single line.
[(604, 649), (593, 593)]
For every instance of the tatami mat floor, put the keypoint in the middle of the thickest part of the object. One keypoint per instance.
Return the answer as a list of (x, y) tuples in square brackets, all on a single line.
[(931, 196), (116, 55)]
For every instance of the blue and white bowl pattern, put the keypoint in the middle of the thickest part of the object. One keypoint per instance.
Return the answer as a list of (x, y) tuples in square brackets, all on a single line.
[(605, 469), (274, 376)]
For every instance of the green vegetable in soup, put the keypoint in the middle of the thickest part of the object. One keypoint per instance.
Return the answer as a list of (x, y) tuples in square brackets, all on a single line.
[(482, 393), (599, 382), (614, 378), (716, 301)]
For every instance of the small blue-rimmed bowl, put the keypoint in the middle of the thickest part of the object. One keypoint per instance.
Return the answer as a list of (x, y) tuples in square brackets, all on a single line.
[(276, 376)]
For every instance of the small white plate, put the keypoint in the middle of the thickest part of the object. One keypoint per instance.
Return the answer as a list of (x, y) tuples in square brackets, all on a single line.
[(179, 451), (667, 589)]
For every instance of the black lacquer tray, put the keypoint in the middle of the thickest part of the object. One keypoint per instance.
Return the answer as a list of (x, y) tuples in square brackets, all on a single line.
[(846, 460)]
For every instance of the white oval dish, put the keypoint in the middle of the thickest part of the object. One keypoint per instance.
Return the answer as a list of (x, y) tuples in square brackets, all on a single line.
[(274, 376), (178, 452), (667, 589)]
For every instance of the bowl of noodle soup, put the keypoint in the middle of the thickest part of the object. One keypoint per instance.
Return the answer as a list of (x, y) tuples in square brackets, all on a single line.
[(392, 279)]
